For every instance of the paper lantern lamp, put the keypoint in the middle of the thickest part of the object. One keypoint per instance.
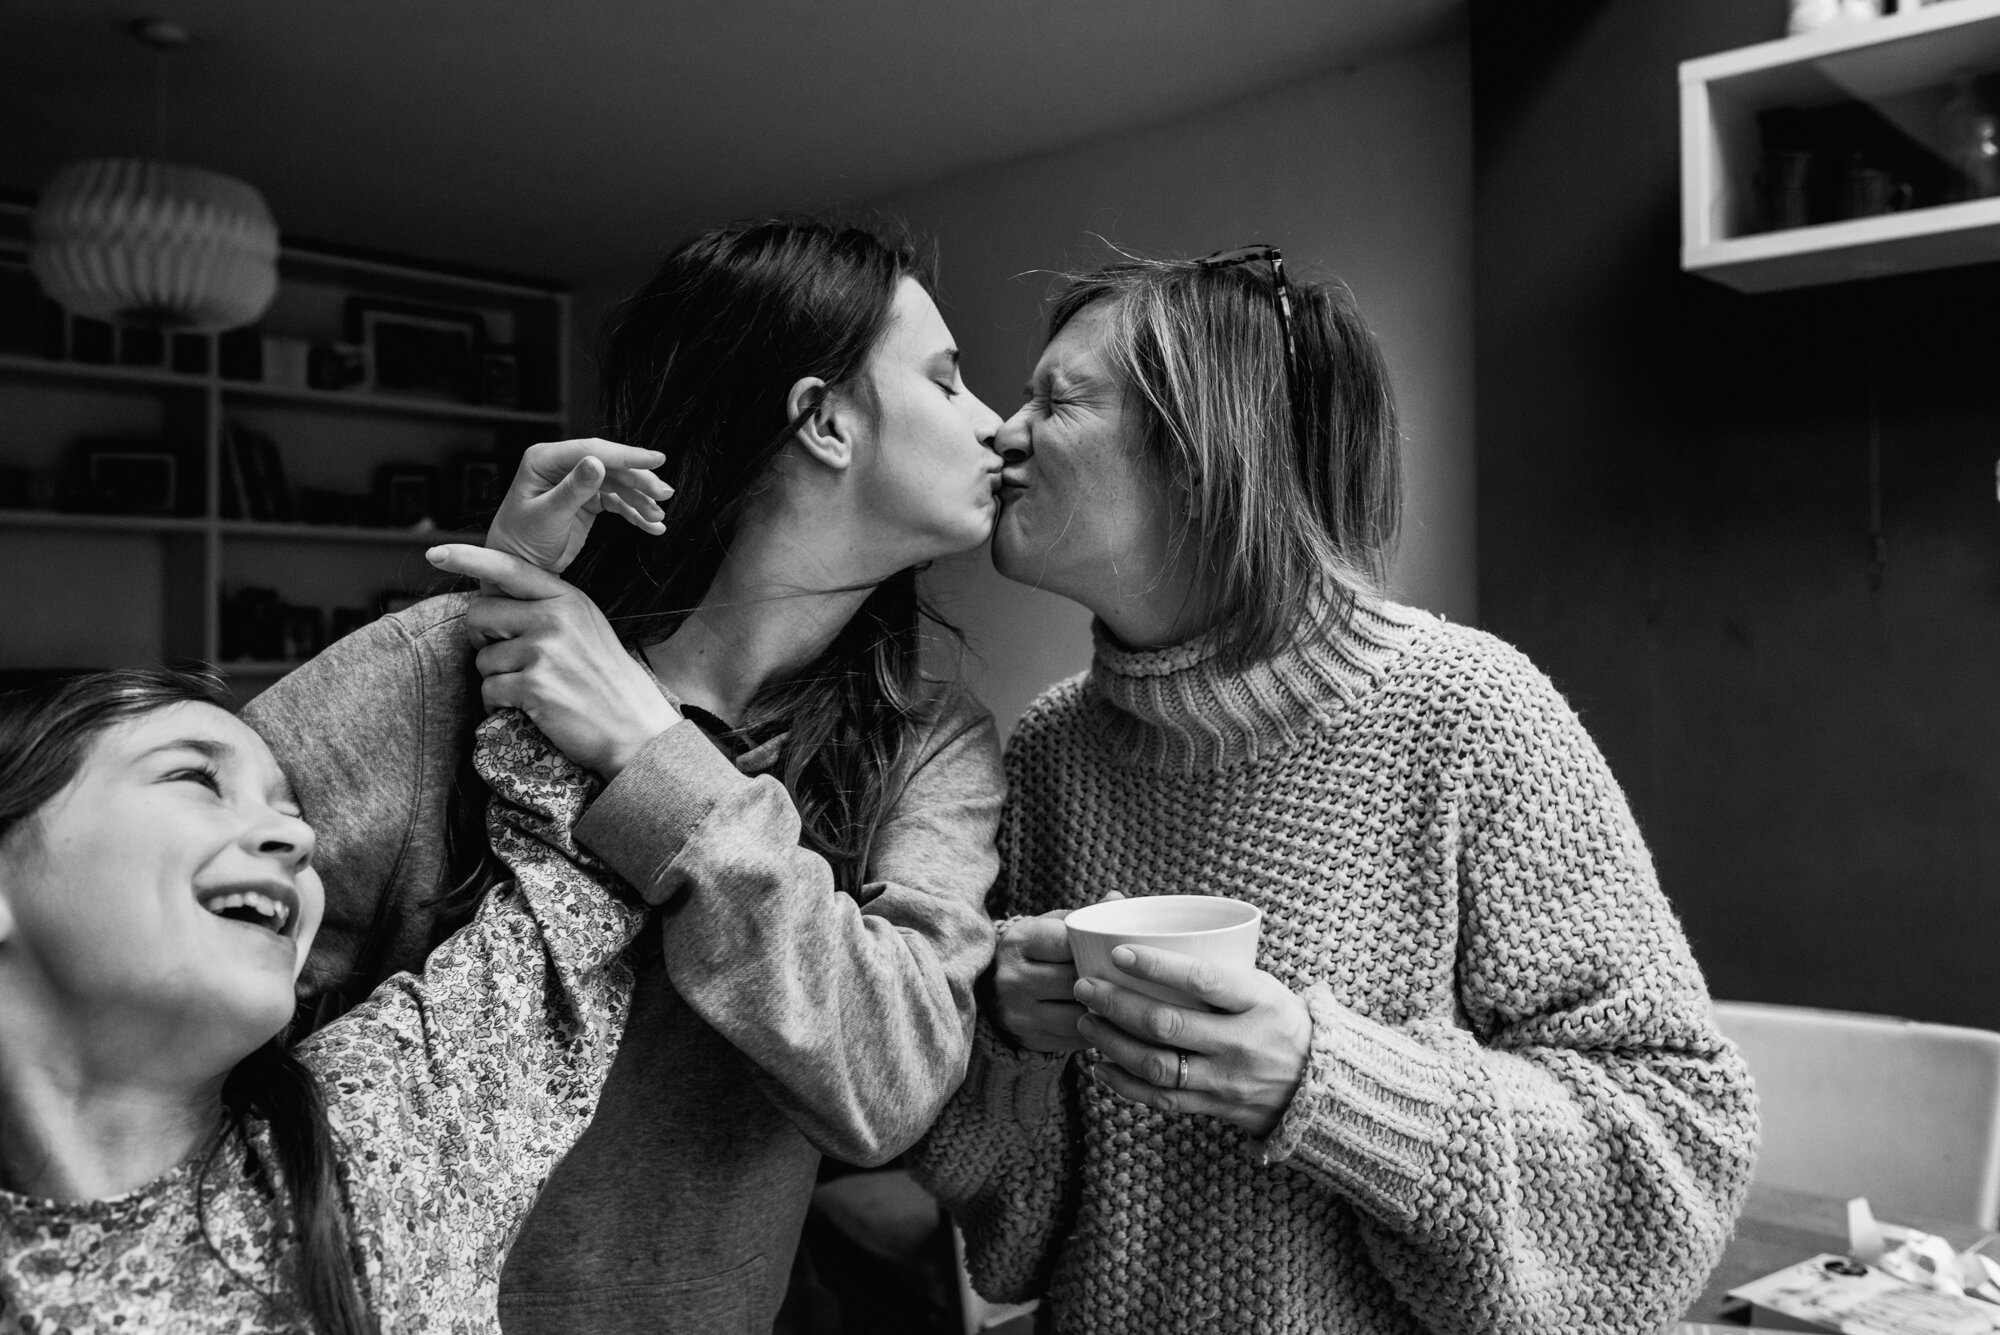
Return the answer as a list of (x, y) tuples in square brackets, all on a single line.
[(155, 243)]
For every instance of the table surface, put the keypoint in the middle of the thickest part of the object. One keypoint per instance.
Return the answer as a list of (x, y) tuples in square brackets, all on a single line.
[(1781, 1227)]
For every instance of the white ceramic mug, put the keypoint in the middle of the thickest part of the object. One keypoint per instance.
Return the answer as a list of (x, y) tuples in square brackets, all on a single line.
[(1203, 927)]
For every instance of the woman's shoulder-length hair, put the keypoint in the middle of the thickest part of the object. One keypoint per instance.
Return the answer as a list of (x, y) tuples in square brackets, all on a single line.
[(1283, 453)]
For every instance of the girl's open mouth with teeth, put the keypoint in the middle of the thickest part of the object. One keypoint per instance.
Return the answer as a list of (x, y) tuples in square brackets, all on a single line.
[(272, 909)]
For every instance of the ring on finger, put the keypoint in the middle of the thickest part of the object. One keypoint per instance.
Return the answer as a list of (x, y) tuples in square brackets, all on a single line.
[(1180, 1073)]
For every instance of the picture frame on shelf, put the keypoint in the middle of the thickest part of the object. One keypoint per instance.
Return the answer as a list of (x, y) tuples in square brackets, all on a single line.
[(127, 478), (419, 351), (406, 494)]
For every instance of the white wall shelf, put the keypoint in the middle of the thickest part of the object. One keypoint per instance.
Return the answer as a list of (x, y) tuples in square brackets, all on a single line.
[(345, 401), (233, 528), (89, 523), (1903, 67), (97, 373), (392, 537), (49, 368)]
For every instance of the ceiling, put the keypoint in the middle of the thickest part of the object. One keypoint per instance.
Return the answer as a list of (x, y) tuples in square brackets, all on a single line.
[(573, 137)]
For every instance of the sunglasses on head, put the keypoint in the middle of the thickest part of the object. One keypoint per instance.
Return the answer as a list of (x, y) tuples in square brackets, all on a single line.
[(1281, 287), (1281, 292)]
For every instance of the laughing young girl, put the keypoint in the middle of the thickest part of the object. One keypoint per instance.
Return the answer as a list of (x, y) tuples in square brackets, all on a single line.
[(165, 1162)]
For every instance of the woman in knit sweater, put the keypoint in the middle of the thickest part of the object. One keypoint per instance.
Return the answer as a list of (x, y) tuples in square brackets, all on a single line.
[(166, 1162), (1473, 1085)]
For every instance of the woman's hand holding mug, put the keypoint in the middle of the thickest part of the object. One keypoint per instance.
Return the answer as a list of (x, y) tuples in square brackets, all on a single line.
[(1240, 1062)]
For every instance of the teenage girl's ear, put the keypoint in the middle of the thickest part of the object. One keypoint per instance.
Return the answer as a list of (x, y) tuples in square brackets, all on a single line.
[(827, 433)]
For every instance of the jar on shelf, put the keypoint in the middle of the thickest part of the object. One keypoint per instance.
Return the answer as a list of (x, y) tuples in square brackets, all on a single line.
[(1788, 170), (1970, 131)]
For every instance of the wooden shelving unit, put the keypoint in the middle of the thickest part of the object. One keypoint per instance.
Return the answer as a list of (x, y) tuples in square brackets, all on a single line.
[(1903, 66), (90, 589)]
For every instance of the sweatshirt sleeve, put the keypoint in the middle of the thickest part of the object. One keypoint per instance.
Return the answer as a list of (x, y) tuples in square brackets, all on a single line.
[(855, 1011), (369, 732), (1586, 1146), (459, 1090)]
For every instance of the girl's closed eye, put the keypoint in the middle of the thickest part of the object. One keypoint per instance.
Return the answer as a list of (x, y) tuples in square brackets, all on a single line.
[(204, 775)]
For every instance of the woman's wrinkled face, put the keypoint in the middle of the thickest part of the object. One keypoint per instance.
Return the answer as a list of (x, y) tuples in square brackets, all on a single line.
[(1083, 513), (170, 881), (927, 466)]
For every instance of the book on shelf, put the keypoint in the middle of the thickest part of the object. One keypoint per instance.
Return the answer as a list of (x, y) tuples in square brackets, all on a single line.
[(230, 500), (253, 477)]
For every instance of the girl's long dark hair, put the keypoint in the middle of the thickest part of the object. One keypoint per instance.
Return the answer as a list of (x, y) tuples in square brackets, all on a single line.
[(46, 732), (697, 364)]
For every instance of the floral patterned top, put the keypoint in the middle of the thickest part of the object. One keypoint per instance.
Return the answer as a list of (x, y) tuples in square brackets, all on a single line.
[(452, 1097)]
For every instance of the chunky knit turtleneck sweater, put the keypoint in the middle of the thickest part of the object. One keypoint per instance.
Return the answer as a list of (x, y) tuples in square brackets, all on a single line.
[(1516, 1114)]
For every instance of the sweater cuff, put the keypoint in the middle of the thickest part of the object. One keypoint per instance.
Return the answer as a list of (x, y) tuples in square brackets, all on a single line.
[(639, 823), (1370, 1115), (1011, 1084)]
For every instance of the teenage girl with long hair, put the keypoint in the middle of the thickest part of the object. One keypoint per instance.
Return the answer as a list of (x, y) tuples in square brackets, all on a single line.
[(751, 662)]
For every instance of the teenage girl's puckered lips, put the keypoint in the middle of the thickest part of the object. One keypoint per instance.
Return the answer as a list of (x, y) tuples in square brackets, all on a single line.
[(272, 905)]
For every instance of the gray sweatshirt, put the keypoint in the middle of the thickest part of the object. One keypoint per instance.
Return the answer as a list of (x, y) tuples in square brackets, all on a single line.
[(774, 1019)]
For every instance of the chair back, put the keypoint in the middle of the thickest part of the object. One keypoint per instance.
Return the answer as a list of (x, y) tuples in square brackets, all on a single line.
[(1906, 1114)]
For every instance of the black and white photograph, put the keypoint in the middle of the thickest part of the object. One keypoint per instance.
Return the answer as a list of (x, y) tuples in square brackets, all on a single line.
[(1257, 667)]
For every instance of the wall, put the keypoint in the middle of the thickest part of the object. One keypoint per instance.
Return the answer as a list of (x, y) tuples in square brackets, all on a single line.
[(1364, 174), (1674, 522)]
